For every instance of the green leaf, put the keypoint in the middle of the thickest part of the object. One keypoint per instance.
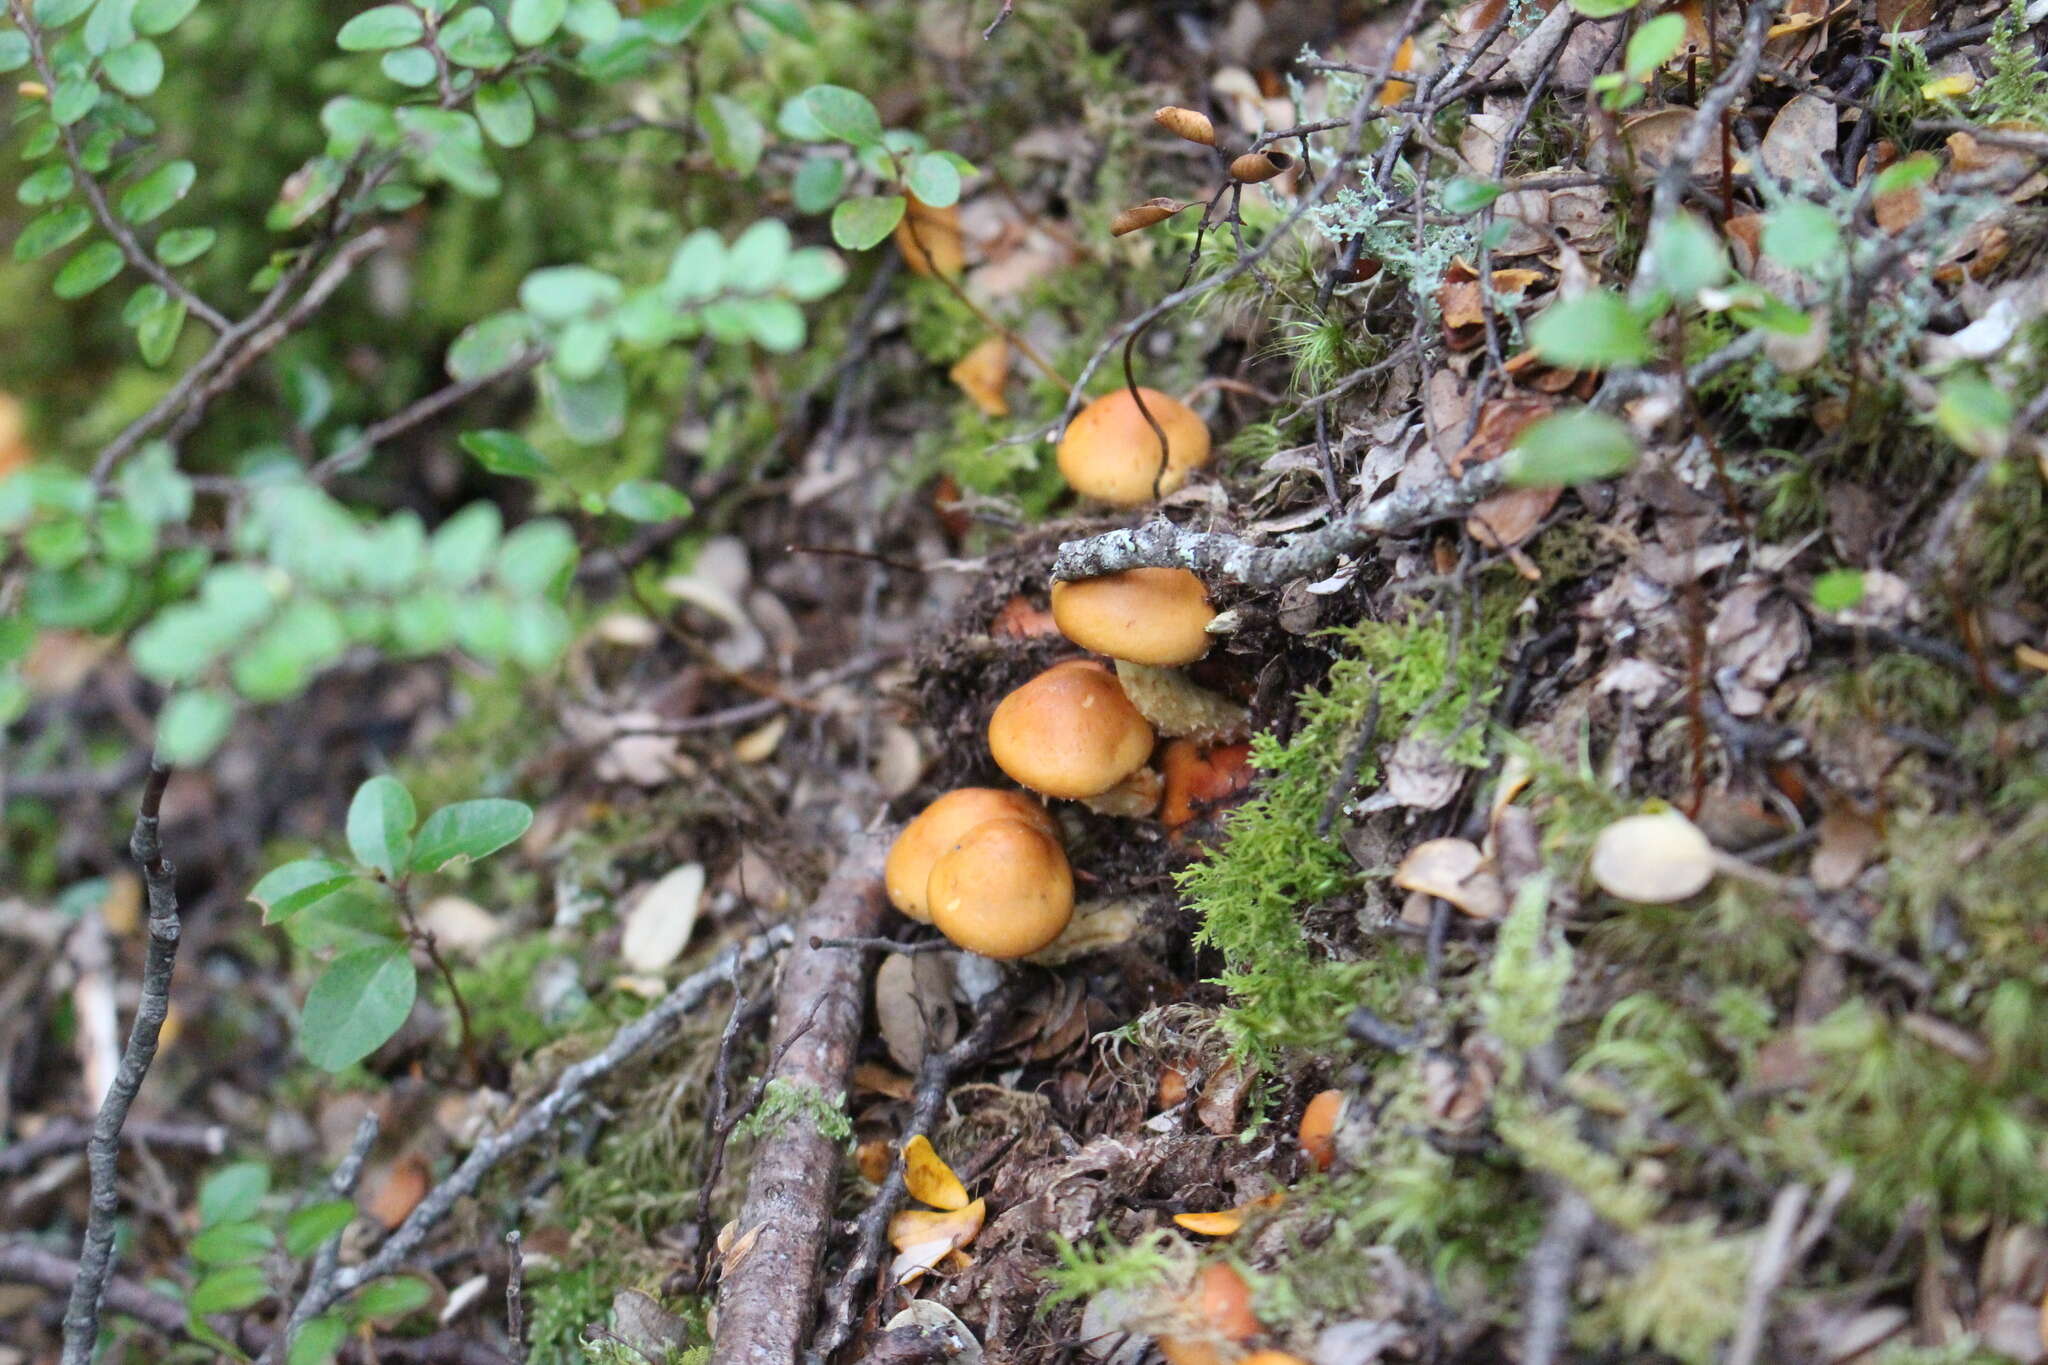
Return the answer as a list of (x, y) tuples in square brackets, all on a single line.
[(158, 17), (14, 50), (228, 1291), (318, 1341), (1686, 256), (533, 22), (594, 21), (87, 271), (308, 1228), (1572, 447), (533, 557), (858, 224), (474, 40), (506, 453), (818, 184), (390, 1299), (1911, 173), (812, 273), (591, 411), (1596, 330), (413, 67), (1801, 235), (192, 726), (1838, 589), (559, 293), (386, 26), (1603, 9), (51, 231), (46, 186), (233, 1193), (353, 124), (356, 1005), (934, 179), (775, 324), (74, 98), (109, 26), (842, 113), (152, 484), (285, 891), (461, 547), (136, 68), (304, 638), (785, 18), (1465, 195), (156, 336), (755, 263), (540, 632), (232, 1244), (154, 194), (380, 823), (182, 246), (1974, 413), (583, 347), (305, 192), (359, 915), (648, 500), (469, 830), (490, 345), (57, 13), (673, 23), (506, 112), (736, 135), (1654, 44)]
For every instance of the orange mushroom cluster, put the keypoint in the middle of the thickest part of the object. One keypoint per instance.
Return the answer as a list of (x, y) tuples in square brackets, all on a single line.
[(985, 865), (1112, 453)]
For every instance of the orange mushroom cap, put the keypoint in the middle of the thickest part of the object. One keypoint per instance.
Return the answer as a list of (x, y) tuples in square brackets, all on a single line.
[(1148, 616), (907, 872), (1004, 890), (1070, 732), (1110, 451)]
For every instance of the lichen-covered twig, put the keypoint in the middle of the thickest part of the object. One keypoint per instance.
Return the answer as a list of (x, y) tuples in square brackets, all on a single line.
[(767, 1294), (1219, 556), (1550, 1270), (103, 1149)]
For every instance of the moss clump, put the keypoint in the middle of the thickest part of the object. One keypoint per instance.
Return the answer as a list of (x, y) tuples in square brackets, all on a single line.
[(785, 1101), (1425, 676)]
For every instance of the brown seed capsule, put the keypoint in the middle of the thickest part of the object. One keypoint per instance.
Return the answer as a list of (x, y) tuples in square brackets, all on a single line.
[(1188, 123), (1253, 167), (1144, 215)]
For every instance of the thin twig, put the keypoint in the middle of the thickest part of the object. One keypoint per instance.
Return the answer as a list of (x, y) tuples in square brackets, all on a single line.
[(1551, 1268), (103, 1150)]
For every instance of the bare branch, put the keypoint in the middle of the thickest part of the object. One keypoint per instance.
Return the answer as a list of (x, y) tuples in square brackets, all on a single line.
[(103, 1150)]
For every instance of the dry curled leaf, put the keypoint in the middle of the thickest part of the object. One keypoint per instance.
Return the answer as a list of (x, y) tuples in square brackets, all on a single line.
[(1191, 124), (660, 922), (920, 1227), (929, 1179), (1453, 870), (1223, 1222), (980, 375)]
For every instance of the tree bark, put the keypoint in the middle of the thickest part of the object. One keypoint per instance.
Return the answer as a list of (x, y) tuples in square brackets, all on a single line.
[(768, 1297)]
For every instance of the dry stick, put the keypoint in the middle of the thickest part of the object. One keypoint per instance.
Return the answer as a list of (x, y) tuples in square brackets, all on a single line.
[(352, 455), (103, 1150), (628, 1043), (66, 1135), (1551, 1268), (1767, 1269), (934, 1081), (766, 1301), (96, 195)]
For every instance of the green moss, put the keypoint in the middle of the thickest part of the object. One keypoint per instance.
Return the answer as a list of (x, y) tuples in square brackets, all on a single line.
[(1425, 677), (786, 1101), (1086, 1269)]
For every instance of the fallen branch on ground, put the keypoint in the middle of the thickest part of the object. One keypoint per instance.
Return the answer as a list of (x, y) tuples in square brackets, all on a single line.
[(1218, 555), (766, 1298)]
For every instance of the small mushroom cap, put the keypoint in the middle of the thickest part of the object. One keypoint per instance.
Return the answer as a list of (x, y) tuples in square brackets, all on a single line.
[(1654, 859), (1149, 616), (1003, 890), (1070, 732), (1110, 451), (938, 827), (1456, 871)]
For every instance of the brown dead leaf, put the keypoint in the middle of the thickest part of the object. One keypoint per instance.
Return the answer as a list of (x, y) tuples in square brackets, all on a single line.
[(1222, 1100), (981, 373), (929, 1179), (1756, 637), (1796, 147), (1652, 138), (914, 1006), (1509, 518), (661, 920), (1848, 843), (880, 1080), (871, 1159), (399, 1190)]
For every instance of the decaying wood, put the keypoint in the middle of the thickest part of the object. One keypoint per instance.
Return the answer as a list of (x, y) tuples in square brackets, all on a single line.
[(767, 1294)]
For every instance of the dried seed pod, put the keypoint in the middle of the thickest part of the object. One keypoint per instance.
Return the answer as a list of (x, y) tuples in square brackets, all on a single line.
[(1144, 215), (1188, 123), (1253, 167)]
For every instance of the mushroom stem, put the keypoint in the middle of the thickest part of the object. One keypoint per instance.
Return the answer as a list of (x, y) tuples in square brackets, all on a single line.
[(1178, 707)]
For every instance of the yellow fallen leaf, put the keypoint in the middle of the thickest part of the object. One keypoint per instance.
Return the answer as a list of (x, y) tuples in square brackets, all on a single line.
[(917, 1227), (930, 1180), (980, 375), (1226, 1221), (1949, 87), (2031, 657)]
